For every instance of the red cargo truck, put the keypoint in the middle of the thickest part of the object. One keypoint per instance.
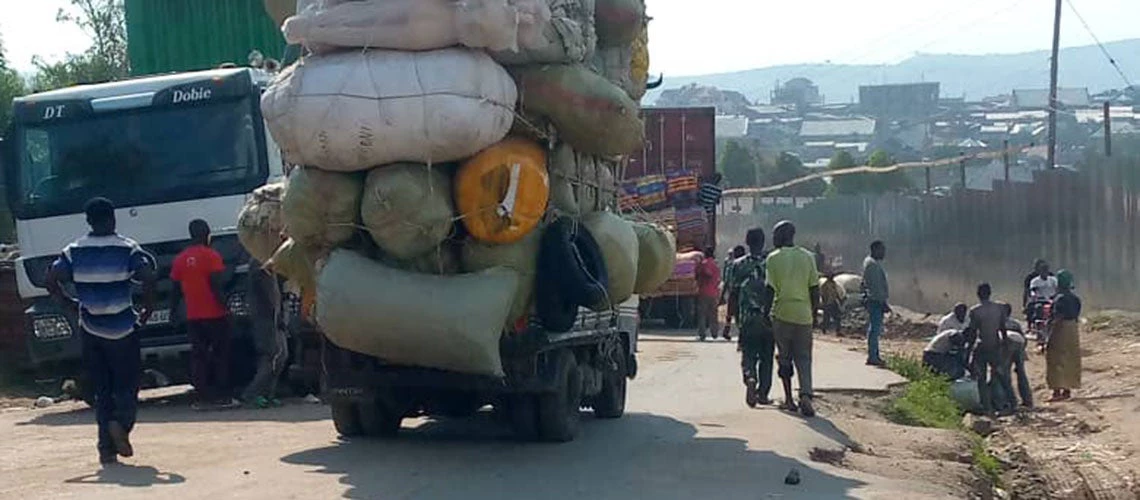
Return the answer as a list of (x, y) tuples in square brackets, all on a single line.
[(677, 141)]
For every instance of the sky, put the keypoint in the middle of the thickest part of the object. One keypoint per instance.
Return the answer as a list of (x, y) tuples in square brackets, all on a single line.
[(746, 34)]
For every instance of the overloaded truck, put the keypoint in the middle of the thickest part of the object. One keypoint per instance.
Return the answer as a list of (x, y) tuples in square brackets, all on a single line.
[(661, 182), (452, 221)]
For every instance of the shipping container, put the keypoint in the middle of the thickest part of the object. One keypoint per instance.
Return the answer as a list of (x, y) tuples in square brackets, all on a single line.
[(676, 139), (166, 36)]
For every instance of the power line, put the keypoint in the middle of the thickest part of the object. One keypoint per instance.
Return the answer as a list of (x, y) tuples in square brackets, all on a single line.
[(1103, 49)]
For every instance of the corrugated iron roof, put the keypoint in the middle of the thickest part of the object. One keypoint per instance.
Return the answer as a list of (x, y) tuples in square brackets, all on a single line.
[(838, 128)]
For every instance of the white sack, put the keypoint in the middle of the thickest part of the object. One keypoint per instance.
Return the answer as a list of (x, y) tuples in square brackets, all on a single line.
[(416, 24), (352, 111), (444, 322), (566, 36)]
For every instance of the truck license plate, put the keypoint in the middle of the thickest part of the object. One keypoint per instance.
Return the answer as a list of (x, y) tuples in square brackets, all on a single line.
[(159, 317)]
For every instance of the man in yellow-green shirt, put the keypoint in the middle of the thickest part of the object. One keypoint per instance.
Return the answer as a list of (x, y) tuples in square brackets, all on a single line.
[(793, 281)]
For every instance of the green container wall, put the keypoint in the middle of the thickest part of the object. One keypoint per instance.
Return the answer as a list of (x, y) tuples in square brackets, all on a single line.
[(185, 35)]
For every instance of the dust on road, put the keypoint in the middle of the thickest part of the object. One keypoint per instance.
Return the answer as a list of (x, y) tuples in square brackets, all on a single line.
[(687, 435)]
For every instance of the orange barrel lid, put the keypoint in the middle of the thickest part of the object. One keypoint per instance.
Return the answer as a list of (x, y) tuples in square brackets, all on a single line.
[(502, 192)]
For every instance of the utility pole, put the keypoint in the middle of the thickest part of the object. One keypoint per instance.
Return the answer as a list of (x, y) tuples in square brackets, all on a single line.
[(1051, 159), (928, 187), (1107, 129), (962, 168), (1005, 158)]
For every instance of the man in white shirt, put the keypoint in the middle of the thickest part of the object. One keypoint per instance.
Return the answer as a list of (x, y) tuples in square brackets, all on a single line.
[(1043, 288), (955, 320), (946, 353)]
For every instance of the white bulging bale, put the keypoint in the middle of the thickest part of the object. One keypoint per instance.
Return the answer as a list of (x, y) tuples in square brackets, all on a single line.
[(414, 25), (352, 111)]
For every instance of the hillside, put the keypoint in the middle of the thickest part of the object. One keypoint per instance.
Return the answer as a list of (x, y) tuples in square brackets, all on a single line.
[(973, 76)]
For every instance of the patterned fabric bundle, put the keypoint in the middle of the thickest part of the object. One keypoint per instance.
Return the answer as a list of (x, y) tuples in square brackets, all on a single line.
[(651, 192), (627, 197), (684, 279), (692, 228), (667, 218), (683, 187)]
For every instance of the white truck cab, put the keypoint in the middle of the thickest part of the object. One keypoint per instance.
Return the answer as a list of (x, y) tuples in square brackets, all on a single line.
[(166, 150)]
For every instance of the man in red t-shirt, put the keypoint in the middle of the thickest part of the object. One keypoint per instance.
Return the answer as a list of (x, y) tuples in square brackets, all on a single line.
[(199, 272), (708, 286)]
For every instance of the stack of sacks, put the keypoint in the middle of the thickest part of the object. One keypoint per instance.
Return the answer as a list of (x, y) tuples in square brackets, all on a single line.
[(683, 280), (414, 200)]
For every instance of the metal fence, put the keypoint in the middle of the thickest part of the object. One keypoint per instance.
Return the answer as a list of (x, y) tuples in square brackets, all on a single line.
[(941, 247)]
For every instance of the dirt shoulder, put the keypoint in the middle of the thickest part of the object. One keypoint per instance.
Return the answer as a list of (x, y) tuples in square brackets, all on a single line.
[(1086, 448)]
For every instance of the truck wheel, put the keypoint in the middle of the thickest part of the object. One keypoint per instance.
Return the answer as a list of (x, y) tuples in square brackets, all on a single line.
[(346, 419), (559, 412), (610, 403), (379, 419), (522, 411)]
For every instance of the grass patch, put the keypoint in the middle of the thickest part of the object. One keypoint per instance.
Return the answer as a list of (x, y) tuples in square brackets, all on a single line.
[(926, 401), (987, 464)]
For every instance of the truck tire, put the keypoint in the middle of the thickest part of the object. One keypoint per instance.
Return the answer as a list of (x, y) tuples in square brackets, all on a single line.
[(346, 419), (610, 403), (378, 419), (522, 412), (570, 257), (559, 415)]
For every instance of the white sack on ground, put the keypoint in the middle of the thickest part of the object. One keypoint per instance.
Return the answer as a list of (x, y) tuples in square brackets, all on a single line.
[(444, 322), (852, 283), (407, 208), (656, 256), (260, 223), (356, 110), (521, 257), (416, 24), (321, 209), (618, 242), (566, 36)]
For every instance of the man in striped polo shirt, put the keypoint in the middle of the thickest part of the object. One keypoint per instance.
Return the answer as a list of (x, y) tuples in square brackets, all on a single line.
[(102, 266)]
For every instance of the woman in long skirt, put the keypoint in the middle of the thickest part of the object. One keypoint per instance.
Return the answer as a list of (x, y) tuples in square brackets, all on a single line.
[(1063, 351)]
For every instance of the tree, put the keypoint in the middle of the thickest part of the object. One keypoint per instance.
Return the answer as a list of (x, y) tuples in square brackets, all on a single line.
[(845, 184), (738, 165), (105, 22), (11, 87), (869, 183), (789, 166)]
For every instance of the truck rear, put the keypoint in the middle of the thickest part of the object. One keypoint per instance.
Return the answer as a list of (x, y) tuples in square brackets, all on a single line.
[(661, 182)]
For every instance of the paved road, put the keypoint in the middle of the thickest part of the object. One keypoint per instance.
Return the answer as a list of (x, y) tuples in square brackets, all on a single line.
[(688, 435)]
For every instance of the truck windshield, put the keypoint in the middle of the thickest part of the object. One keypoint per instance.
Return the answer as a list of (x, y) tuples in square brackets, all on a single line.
[(138, 157)]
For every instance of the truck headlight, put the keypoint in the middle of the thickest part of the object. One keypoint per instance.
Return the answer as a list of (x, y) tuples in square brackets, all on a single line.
[(236, 304), (51, 327)]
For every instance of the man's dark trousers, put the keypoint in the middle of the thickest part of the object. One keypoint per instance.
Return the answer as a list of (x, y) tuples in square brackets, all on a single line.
[(757, 358), (113, 367)]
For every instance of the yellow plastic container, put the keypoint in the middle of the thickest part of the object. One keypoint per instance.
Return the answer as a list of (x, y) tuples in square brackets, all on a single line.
[(502, 192)]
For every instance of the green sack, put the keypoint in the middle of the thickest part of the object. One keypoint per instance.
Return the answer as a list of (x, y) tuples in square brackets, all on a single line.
[(321, 209), (656, 256), (593, 115), (521, 256), (294, 262), (260, 224), (408, 208), (444, 322), (618, 242)]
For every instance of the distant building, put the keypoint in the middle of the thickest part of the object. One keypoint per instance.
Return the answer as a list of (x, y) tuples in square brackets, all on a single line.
[(847, 130), (798, 92), (1026, 99), (899, 101), (731, 127)]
